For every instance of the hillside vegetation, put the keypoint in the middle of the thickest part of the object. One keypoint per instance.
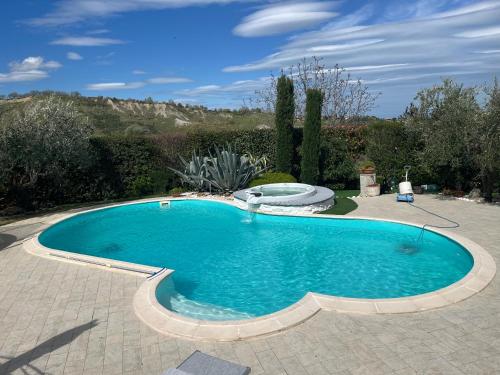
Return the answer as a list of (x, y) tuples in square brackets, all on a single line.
[(135, 117)]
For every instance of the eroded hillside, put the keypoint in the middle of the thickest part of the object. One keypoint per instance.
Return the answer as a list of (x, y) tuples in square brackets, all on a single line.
[(111, 115)]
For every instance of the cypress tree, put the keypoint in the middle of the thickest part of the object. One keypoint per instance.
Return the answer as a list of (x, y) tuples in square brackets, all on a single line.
[(285, 114), (311, 139)]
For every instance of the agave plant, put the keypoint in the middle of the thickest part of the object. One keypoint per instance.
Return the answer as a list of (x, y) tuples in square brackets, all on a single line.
[(228, 171), (224, 170), (195, 172)]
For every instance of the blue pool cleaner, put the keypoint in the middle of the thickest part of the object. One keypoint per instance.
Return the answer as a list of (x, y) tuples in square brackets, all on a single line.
[(405, 193)]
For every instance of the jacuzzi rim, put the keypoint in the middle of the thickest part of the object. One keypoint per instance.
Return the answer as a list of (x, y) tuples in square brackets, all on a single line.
[(309, 190), (165, 321)]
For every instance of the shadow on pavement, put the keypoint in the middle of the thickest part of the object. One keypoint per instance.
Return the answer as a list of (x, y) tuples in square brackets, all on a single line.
[(45, 347), (6, 240)]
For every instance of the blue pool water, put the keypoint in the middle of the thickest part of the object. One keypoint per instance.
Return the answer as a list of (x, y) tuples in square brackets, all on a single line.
[(231, 265)]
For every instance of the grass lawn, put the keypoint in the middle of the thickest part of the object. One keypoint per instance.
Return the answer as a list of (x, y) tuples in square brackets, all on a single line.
[(343, 205)]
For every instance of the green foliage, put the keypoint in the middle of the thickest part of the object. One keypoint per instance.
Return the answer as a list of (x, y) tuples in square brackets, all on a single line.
[(130, 166), (365, 164), (141, 185), (51, 155), (250, 142), (489, 140), (272, 178), (195, 172), (336, 166), (392, 145), (225, 170), (46, 142), (178, 191), (447, 119), (311, 140), (285, 114)]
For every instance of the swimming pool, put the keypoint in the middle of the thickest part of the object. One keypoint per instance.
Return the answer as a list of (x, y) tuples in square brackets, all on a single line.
[(230, 264)]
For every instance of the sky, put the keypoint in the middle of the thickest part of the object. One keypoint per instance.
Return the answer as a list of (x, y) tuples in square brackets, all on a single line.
[(218, 52)]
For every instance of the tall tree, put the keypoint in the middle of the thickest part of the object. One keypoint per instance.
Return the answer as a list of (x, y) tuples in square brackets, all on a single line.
[(489, 139), (345, 98), (285, 114), (311, 141), (448, 118)]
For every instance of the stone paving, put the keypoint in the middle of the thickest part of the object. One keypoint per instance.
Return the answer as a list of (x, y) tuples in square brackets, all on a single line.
[(62, 318)]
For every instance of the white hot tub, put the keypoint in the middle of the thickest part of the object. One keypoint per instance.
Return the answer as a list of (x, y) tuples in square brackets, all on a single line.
[(279, 193), (285, 197)]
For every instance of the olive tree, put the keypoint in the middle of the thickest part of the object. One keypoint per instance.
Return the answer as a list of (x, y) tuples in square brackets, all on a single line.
[(447, 117), (459, 137), (489, 140), (43, 142)]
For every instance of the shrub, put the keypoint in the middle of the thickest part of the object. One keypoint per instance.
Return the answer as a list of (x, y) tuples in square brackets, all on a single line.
[(272, 178), (225, 170), (129, 165), (336, 187), (285, 114), (336, 165), (141, 185), (176, 191), (311, 140), (44, 144)]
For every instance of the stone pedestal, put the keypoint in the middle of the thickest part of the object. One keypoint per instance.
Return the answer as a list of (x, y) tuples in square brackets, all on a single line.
[(364, 181)]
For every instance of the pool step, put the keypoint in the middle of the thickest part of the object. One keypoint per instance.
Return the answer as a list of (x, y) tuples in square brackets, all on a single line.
[(197, 310)]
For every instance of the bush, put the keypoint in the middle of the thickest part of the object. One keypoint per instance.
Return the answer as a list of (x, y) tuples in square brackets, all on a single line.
[(115, 167), (272, 178), (40, 149), (141, 185), (336, 166), (176, 191), (130, 166)]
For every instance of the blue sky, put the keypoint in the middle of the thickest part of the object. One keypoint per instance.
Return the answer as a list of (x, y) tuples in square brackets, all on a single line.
[(216, 52)]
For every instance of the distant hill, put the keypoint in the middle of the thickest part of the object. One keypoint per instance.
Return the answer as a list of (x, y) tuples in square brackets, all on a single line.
[(120, 116)]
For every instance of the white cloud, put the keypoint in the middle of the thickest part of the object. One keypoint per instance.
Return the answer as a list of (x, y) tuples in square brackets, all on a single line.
[(282, 18), (72, 11), (114, 86), (74, 56), (29, 69), (86, 41), (135, 85), (489, 51), (138, 72), (167, 80), (97, 32), (445, 44), (246, 87), (480, 33), (468, 9)]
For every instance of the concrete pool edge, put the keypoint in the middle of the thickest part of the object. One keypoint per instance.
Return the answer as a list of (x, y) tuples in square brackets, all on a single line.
[(152, 313)]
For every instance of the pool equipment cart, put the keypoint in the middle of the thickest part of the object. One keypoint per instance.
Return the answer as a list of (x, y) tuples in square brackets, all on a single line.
[(405, 193)]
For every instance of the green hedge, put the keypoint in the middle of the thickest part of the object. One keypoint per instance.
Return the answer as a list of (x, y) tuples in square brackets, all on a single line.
[(128, 166)]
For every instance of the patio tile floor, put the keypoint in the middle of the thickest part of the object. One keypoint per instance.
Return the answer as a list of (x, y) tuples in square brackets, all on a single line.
[(61, 318)]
